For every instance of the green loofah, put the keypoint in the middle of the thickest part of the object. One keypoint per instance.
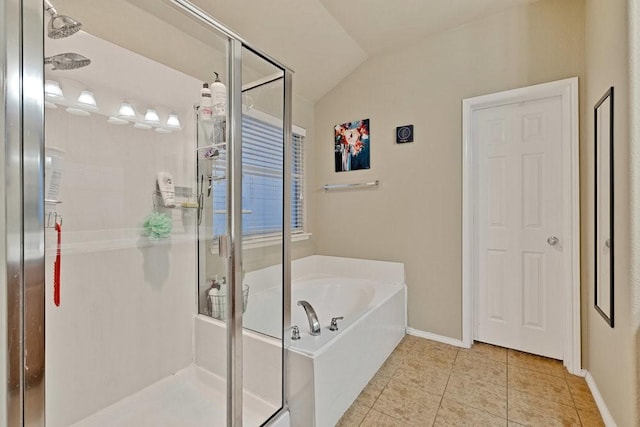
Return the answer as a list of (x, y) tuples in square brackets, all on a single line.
[(157, 226)]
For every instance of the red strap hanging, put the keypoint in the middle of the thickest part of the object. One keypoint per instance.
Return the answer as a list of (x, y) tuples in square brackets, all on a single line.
[(56, 268)]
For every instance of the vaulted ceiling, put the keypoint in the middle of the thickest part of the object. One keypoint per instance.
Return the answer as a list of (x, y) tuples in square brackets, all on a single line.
[(325, 40)]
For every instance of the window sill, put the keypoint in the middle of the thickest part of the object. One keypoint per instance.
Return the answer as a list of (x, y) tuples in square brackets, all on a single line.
[(264, 241), (271, 240)]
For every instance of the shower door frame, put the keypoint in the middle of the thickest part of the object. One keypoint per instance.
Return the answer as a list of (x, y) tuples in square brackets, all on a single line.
[(23, 282), (22, 286)]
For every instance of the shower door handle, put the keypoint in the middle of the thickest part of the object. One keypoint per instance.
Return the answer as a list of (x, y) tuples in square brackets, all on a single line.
[(223, 246)]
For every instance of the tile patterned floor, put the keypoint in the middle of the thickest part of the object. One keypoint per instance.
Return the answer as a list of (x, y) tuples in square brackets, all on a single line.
[(426, 383)]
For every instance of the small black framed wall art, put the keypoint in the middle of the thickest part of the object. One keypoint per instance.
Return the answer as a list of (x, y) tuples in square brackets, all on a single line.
[(404, 134)]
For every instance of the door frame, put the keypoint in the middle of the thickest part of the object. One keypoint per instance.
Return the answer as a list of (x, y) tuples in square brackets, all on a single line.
[(567, 89)]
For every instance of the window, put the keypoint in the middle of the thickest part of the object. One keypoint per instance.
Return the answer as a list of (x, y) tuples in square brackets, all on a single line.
[(262, 180), (297, 181)]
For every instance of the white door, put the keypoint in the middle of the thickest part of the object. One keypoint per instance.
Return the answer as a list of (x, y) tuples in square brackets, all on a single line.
[(519, 226)]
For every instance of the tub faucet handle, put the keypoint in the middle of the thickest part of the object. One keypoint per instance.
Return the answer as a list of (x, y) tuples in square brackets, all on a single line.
[(334, 323), (295, 333)]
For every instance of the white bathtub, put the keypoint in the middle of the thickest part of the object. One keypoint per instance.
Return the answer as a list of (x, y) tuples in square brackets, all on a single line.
[(326, 372), (334, 296)]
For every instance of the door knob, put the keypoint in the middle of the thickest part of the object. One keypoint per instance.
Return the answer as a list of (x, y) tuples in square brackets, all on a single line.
[(552, 240)]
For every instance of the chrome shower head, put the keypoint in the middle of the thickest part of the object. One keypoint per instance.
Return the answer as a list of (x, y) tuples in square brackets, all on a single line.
[(60, 26), (67, 61)]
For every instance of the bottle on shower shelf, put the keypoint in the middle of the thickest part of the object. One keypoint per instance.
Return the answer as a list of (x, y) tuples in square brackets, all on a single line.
[(219, 107), (218, 97), (205, 111), (212, 294)]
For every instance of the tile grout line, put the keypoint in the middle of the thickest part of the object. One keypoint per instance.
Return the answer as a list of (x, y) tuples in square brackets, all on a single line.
[(507, 388), (466, 374), (380, 394), (564, 379), (365, 416), (410, 348), (445, 388), (385, 386), (545, 398), (374, 400), (573, 400), (509, 363)]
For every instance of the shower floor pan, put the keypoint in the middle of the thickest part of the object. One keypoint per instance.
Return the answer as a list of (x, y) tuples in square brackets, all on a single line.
[(192, 397)]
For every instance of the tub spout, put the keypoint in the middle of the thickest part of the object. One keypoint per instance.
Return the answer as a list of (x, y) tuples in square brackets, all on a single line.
[(314, 324)]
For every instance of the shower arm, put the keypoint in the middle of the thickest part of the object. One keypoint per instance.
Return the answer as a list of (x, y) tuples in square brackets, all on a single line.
[(49, 8)]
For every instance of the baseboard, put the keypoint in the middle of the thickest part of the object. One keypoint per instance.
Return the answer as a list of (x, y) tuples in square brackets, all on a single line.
[(580, 373), (435, 337), (602, 407)]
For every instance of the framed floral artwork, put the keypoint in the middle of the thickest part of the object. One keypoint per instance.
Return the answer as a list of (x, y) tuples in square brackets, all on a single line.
[(352, 146)]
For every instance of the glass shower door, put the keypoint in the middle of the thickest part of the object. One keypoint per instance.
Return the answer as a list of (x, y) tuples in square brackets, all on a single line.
[(121, 209), (107, 193), (263, 229), (241, 163)]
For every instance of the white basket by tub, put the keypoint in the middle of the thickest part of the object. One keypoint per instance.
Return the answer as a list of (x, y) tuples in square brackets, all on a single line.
[(218, 303)]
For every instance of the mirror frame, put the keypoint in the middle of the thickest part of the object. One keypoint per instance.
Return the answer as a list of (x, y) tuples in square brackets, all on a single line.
[(604, 120)]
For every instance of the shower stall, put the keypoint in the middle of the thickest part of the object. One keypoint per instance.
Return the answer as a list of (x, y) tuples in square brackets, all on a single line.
[(135, 204)]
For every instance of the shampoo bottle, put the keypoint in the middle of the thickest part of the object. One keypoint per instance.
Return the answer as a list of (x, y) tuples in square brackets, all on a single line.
[(219, 97), (205, 111), (212, 297)]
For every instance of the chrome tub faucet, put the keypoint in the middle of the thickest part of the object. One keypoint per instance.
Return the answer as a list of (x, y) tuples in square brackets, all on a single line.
[(314, 324)]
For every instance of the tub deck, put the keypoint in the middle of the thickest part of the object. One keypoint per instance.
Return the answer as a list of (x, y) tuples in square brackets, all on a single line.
[(326, 373)]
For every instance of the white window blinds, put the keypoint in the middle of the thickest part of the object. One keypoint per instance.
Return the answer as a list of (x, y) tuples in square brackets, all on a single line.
[(262, 181), (297, 184)]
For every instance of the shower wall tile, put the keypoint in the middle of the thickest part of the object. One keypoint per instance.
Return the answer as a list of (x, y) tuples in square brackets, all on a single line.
[(261, 358), (125, 321), (127, 303)]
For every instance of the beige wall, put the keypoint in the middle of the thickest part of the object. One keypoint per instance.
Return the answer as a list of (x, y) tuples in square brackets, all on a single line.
[(415, 215), (609, 353)]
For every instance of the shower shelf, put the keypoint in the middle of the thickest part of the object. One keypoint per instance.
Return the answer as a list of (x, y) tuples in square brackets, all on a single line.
[(223, 212), (53, 218), (181, 193), (179, 206)]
